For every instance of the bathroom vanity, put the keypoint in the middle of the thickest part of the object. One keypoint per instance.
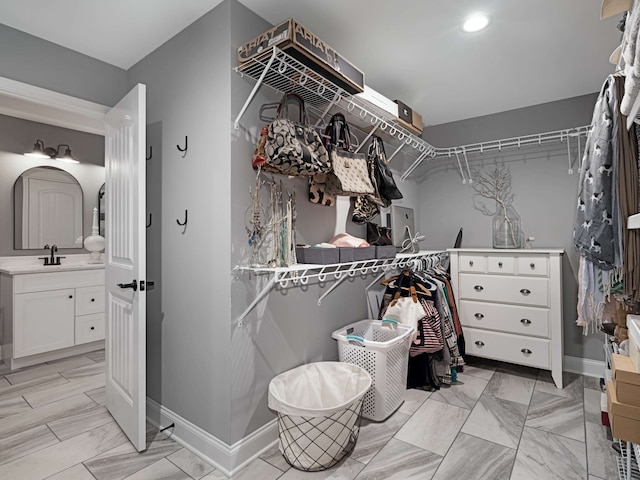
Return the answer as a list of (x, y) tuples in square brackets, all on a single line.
[(50, 312)]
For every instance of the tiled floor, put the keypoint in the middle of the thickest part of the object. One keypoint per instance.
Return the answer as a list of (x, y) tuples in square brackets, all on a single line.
[(498, 422)]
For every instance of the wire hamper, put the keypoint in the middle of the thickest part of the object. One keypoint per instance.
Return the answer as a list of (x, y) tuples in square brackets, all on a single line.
[(384, 353), (318, 407)]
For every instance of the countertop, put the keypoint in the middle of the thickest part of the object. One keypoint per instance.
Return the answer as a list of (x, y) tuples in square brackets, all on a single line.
[(33, 264)]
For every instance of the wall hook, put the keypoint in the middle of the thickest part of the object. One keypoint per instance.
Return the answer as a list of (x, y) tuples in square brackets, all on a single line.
[(184, 224), (150, 152), (186, 146), (150, 220)]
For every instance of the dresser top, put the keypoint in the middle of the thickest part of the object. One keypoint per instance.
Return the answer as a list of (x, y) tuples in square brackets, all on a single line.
[(522, 251)]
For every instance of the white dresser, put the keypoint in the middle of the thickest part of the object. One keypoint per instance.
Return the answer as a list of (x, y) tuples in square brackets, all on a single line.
[(510, 305)]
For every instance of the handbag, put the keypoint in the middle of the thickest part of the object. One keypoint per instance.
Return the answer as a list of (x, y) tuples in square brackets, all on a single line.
[(378, 235), (349, 175), (364, 210), (404, 309), (385, 184), (295, 148)]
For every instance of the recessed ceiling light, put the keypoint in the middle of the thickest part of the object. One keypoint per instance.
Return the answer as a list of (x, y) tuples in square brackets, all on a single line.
[(475, 23)]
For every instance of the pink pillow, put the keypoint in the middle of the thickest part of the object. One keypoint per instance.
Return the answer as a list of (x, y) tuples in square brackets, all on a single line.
[(346, 240)]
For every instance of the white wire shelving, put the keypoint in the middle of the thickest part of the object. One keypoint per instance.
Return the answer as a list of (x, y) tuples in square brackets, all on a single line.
[(284, 73), (627, 466), (300, 274)]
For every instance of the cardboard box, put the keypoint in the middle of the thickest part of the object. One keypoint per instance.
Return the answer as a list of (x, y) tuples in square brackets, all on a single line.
[(296, 40), (633, 323), (626, 380), (379, 100), (624, 419), (409, 118)]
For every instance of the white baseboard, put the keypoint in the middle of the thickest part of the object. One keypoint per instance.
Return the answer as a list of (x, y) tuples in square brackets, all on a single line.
[(584, 366), (229, 459)]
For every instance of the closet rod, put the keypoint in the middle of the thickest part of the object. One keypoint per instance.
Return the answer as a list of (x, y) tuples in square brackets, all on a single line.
[(492, 145)]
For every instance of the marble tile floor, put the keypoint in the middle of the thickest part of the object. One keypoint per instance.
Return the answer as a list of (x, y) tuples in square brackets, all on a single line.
[(498, 422)]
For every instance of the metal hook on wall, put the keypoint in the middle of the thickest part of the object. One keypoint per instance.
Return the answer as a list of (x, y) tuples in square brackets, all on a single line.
[(150, 220), (150, 152), (184, 224), (186, 146)]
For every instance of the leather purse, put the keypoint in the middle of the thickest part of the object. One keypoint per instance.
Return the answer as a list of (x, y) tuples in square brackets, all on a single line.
[(378, 235), (349, 174), (385, 184), (295, 148)]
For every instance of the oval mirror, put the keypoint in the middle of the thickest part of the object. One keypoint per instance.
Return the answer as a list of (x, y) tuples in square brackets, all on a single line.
[(47, 209)]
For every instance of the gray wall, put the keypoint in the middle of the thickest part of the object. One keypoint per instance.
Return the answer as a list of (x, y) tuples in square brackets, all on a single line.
[(545, 194), (17, 136), (188, 340), (30, 59)]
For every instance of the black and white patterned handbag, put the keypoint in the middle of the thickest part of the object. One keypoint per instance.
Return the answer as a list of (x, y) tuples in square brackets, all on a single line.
[(295, 148)]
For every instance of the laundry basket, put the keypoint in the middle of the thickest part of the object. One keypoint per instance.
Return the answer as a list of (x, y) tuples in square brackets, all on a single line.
[(384, 353), (318, 407)]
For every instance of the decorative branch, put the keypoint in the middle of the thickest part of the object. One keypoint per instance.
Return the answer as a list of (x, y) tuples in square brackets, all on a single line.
[(495, 185)]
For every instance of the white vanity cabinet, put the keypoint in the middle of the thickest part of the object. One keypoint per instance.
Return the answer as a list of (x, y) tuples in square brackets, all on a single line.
[(510, 305), (50, 315)]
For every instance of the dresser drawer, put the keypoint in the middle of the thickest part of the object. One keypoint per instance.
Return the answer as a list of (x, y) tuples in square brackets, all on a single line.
[(505, 265), (507, 347), (472, 263), (535, 265), (522, 320), (507, 289), (89, 300), (89, 328)]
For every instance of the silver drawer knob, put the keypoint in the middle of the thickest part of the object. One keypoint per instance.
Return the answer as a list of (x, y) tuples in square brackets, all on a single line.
[(525, 321), (471, 263), (526, 351), (499, 264), (525, 291), (479, 316), (479, 343), (478, 288), (533, 266)]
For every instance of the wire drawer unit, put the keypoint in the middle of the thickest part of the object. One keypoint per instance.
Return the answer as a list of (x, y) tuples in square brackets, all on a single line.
[(384, 353)]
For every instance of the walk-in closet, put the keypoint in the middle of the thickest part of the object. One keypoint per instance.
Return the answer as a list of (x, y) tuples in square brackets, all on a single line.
[(320, 240)]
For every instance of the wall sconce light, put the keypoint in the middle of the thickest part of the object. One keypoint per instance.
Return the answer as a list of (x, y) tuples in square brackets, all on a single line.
[(40, 151)]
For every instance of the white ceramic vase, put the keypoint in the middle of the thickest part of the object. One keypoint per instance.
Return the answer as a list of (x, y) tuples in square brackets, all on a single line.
[(94, 242)]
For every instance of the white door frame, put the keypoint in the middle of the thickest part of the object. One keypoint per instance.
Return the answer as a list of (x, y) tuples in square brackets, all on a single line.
[(37, 104)]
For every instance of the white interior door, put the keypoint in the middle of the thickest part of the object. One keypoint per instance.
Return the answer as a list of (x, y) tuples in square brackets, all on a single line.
[(125, 264)]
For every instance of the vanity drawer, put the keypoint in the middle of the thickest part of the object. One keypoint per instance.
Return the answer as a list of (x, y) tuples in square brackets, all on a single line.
[(529, 321), (507, 289), (89, 328), (38, 282), (504, 265), (507, 347), (89, 300), (536, 266), (472, 263)]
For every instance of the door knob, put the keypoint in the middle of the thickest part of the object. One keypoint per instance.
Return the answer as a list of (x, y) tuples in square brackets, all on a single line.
[(525, 292), (133, 285), (479, 343), (478, 288), (479, 316), (526, 321)]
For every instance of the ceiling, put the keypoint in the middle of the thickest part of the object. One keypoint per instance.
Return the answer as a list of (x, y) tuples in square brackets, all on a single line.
[(535, 51)]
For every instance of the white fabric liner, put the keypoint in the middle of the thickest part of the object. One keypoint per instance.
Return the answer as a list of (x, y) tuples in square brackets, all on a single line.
[(318, 389)]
